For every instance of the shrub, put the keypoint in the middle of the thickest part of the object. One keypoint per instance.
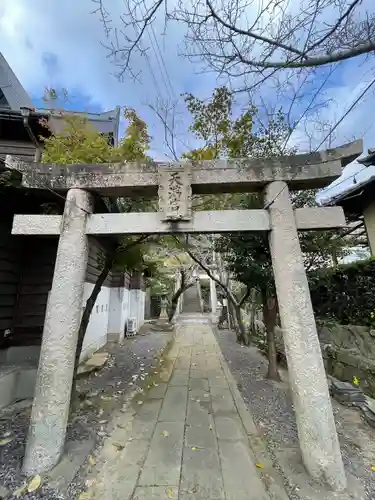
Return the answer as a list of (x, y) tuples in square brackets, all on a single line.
[(345, 293)]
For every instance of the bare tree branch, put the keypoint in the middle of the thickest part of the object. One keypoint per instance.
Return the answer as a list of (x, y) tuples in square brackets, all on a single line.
[(241, 38)]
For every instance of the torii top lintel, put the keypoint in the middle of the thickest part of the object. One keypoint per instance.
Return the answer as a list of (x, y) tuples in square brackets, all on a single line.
[(303, 171)]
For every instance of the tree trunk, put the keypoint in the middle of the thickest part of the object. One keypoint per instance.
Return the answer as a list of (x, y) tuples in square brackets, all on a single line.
[(86, 318), (253, 310), (270, 317), (242, 334), (174, 303)]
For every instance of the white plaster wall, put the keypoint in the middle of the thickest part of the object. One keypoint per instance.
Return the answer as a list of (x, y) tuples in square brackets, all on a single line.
[(125, 309), (118, 312), (137, 306), (141, 307), (115, 303), (112, 309), (96, 334)]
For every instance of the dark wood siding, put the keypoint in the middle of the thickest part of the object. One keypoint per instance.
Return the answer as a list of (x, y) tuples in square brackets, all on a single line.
[(95, 262), (9, 275), (26, 274), (23, 150), (38, 261)]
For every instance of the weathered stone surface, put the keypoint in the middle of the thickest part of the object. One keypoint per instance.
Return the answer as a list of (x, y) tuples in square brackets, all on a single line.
[(346, 393), (314, 416), (241, 481), (175, 192), (348, 352), (4, 492), (192, 459), (201, 476), (219, 221), (179, 377), (174, 404), (50, 411), (156, 493), (368, 414), (163, 462), (313, 170), (96, 362)]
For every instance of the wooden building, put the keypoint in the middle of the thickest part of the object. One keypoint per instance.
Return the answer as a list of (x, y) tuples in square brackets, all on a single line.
[(358, 202)]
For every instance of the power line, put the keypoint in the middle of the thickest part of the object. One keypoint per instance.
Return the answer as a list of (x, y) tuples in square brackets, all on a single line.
[(363, 93), (149, 65), (166, 78), (160, 68), (344, 179), (163, 62)]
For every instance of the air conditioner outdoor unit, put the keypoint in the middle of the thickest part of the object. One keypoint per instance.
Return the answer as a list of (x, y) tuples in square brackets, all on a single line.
[(131, 327)]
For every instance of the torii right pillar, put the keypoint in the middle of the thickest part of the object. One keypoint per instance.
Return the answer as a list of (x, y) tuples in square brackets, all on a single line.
[(312, 404)]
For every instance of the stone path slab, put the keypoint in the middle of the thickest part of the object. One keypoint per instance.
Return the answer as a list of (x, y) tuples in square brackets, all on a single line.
[(186, 438)]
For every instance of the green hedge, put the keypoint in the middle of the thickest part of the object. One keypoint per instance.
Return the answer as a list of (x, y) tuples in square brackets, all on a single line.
[(345, 294)]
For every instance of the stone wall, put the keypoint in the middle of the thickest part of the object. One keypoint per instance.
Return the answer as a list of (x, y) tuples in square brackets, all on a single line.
[(348, 352)]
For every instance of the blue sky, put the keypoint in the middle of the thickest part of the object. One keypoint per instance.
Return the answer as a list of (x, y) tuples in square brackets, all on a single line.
[(60, 44)]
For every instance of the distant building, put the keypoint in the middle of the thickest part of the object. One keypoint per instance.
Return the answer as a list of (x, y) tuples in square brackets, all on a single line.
[(20, 130)]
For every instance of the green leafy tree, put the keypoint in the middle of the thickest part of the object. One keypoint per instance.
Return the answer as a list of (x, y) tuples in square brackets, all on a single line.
[(247, 256)]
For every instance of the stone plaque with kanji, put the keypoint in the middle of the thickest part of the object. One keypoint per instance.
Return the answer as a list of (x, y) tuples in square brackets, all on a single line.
[(175, 193)]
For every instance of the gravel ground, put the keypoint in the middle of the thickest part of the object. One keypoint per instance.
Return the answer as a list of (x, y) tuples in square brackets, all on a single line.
[(271, 407), (101, 393)]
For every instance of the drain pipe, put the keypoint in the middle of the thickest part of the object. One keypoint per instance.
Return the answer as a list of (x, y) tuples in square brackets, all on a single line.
[(25, 112)]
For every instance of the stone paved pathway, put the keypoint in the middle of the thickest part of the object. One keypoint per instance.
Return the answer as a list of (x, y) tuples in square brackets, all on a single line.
[(187, 437)]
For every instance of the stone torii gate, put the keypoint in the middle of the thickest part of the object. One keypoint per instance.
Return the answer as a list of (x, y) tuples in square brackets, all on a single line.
[(175, 183)]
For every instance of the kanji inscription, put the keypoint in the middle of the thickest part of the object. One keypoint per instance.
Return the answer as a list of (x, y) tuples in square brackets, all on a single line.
[(175, 193)]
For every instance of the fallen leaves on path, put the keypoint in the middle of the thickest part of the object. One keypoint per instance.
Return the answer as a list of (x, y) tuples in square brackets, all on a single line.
[(91, 460), (84, 496), (170, 493), (260, 466), (34, 484), (165, 434), (4, 442)]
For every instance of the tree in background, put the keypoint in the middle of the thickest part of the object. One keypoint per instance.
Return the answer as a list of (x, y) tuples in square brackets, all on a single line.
[(247, 256)]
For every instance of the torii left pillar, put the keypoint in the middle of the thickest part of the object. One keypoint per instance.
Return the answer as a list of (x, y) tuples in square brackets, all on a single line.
[(51, 405)]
